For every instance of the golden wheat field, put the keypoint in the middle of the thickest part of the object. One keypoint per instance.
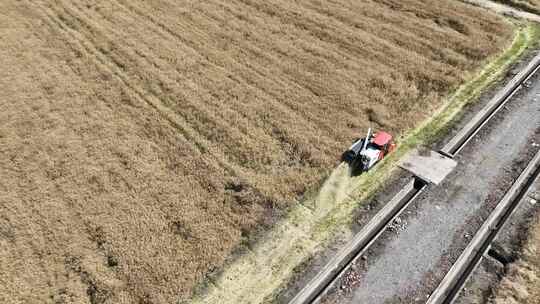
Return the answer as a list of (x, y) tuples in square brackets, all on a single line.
[(142, 141)]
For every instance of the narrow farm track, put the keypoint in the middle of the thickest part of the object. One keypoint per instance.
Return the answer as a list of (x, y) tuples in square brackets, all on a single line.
[(144, 143)]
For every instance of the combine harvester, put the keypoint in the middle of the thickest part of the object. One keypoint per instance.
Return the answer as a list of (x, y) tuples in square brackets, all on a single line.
[(366, 152)]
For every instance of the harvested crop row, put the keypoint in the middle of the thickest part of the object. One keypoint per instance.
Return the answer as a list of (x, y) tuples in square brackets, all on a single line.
[(142, 141)]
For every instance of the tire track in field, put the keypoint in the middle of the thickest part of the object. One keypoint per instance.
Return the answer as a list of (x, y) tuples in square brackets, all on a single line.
[(255, 138), (258, 53), (62, 209), (302, 51), (301, 30), (79, 46), (110, 66), (316, 29), (330, 31), (332, 129), (91, 50), (329, 48), (285, 48), (325, 29), (285, 136), (251, 133), (287, 59), (228, 131), (290, 53), (233, 170), (311, 54), (394, 29), (350, 109)]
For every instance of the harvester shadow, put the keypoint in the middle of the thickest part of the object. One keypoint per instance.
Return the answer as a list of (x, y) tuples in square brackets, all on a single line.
[(354, 168)]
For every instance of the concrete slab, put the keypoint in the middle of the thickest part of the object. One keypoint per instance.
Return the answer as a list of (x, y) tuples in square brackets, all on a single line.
[(428, 165)]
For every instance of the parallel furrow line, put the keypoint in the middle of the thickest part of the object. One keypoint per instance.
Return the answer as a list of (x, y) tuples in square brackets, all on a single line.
[(270, 96), (413, 44), (106, 64), (221, 118)]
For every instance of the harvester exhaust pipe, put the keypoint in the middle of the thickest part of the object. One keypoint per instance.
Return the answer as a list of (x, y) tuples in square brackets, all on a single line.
[(366, 140), (364, 160)]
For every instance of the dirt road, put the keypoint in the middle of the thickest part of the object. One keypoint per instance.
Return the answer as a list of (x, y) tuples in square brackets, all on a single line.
[(413, 257)]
